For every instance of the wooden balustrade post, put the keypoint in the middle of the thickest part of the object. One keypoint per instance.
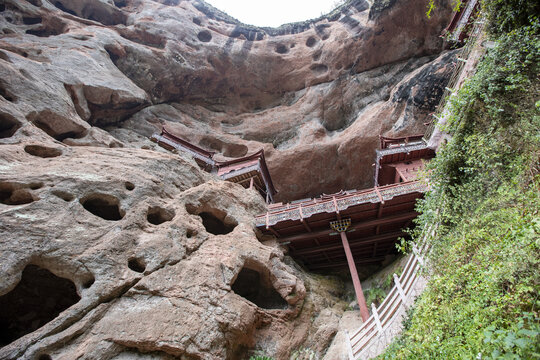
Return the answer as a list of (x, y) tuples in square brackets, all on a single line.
[(349, 346), (417, 254), (376, 317), (400, 290)]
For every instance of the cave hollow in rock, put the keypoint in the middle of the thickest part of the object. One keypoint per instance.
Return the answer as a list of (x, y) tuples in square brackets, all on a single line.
[(157, 215), (215, 221), (257, 288), (103, 205), (38, 298)]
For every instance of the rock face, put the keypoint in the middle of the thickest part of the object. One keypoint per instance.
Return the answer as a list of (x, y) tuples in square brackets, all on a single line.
[(151, 257), (339, 81)]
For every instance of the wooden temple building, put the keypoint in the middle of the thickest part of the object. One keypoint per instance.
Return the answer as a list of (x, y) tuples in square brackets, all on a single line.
[(249, 171), (345, 229), (172, 142), (400, 159), (354, 228)]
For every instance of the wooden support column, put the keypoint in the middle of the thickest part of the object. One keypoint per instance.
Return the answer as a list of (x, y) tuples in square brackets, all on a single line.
[(341, 226), (364, 312)]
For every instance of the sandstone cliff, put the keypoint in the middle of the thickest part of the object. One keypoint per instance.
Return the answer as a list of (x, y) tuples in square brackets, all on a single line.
[(161, 256)]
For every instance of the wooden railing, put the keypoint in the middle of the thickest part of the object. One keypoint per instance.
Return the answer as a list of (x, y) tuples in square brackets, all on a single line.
[(386, 320), (336, 203)]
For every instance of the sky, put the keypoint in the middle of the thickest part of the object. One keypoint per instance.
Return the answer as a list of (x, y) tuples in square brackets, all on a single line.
[(274, 12)]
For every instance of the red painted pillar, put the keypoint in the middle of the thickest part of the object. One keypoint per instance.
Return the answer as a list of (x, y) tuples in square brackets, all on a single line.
[(356, 281)]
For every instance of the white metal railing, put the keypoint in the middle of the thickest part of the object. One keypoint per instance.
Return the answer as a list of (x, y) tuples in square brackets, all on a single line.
[(386, 320), (450, 89)]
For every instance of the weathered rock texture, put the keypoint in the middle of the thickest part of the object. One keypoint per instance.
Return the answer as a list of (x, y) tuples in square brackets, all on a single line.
[(161, 257), (306, 92)]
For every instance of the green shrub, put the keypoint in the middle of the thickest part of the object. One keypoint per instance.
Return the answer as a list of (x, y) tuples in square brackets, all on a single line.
[(507, 15), (375, 295), (260, 357)]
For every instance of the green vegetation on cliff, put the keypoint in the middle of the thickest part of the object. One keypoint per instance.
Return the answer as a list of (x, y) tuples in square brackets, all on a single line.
[(482, 300)]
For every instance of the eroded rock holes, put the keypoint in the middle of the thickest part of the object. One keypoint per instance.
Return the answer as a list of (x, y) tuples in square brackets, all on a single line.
[(129, 185), (258, 289), (319, 69), (137, 264), (214, 221), (214, 225), (89, 282), (204, 36), (100, 11), (228, 149), (235, 150), (54, 133), (14, 194), (311, 41), (35, 185), (105, 206), (27, 20), (8, 126), (38, 298), (191, 233), (61, 6), (57, 28), (42, 151), (6, 94), (120, 3), (157, 215), (64, 195), (282, 49)]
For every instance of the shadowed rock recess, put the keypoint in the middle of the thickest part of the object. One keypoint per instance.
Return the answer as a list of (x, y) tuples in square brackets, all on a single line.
[(115, 248)]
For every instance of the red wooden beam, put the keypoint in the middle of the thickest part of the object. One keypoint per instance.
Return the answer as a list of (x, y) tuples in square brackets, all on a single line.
[(274, 232), (314, 267), (357, 226), (362, 253), (354, 244)]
